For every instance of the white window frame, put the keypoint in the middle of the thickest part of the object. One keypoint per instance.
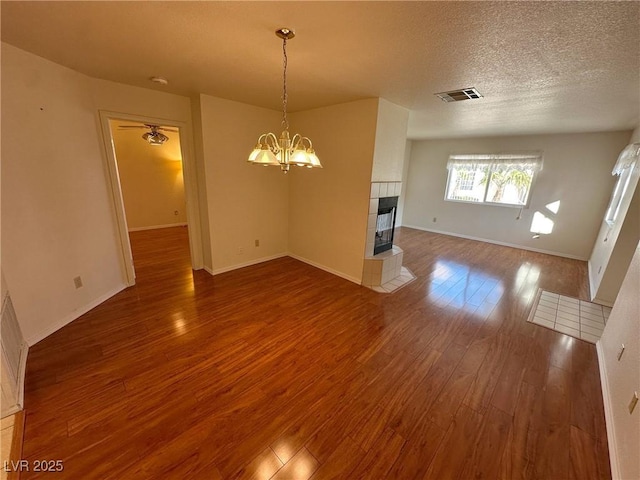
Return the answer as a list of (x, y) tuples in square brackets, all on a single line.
[(493, 161), (624, 168)]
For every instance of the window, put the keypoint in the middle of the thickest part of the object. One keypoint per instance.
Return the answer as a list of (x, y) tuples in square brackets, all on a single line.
[(502, 179), (623, 169)]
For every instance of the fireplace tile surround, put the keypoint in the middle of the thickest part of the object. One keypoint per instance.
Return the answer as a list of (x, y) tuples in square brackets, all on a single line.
[(383, 272)]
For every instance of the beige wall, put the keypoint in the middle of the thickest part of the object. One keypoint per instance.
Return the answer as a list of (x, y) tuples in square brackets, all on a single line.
[(621, 378), (577, 172), (150, 176), (57, 220), (615, 244), (245, 202), (391, 138), (329, 206)]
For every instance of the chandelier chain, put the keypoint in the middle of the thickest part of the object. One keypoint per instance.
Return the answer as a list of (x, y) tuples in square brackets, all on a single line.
[(285, 121)]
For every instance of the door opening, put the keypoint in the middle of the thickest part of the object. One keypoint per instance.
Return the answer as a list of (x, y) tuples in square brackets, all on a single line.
[(150, 184)]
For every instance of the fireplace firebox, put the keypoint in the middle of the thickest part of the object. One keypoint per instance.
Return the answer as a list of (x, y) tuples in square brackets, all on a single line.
[(385, 224)]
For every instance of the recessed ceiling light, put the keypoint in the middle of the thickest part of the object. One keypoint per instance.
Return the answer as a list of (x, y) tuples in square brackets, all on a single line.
[(459, 95), (160, 80)]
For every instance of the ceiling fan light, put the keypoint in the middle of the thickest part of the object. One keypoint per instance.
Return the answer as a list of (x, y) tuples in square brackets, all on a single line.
[(155, 138)]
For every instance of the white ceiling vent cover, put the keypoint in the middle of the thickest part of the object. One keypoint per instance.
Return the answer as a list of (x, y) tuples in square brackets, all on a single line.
[(459, 95)]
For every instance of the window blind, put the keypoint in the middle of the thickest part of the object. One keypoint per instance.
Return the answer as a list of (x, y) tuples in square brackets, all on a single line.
[(524, 160)]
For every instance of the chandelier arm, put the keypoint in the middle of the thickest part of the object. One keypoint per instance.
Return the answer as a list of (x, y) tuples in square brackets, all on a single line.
[(271, 141), (295, 141), (308, 140)]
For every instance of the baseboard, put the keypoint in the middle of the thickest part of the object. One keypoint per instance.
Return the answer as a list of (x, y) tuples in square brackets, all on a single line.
[(608, 413), (33, 339), (326, 269), (155, 227), (496, 242), (600, 301), (218, 271)]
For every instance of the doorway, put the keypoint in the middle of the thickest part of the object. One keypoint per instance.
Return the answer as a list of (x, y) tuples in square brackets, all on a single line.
[(149, 178)]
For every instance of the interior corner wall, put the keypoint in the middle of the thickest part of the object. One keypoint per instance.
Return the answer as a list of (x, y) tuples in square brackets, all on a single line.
[(328, 207), (245, 202), (577, 172), (620, 377), (615, 244), (57, 220)]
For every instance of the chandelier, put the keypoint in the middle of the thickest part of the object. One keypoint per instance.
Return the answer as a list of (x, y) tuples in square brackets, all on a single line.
[(285, 150)]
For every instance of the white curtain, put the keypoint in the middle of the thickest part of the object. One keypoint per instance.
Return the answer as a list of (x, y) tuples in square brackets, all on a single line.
[(627, 157), (531, 160)]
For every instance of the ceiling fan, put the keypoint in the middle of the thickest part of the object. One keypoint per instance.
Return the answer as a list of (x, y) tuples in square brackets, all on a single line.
[(153, 136)]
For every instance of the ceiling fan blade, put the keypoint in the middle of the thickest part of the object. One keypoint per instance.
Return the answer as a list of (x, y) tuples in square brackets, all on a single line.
[(167, 129)]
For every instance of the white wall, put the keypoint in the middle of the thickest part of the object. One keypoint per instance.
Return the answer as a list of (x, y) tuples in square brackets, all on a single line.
[(150, 177), (391, 139), (405, 176), (329, 206), (621, 378), (577, 172), (57, 220), (245, 202), (616, 243)]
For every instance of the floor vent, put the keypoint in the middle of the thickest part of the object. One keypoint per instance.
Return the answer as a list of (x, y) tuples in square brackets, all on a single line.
[(459, 95), (14, 360)]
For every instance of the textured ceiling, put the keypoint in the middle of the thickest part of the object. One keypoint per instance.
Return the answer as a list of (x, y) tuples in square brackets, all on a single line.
[(542, 67)]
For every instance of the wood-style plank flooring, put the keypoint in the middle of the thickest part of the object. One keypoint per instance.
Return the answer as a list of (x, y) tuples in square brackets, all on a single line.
[(283, 371)]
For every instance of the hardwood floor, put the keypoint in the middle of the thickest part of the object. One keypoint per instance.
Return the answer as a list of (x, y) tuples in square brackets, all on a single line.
[(283, 371)]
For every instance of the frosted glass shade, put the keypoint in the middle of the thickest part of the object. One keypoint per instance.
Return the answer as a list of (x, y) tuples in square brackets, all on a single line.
[(301, 158), (265, 157)]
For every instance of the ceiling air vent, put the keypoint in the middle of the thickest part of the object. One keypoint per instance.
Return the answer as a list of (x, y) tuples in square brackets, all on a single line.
[(459, 95)]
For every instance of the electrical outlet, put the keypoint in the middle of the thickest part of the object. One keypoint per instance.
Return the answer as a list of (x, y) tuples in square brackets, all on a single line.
[(240, 250), (77, 282), (435, 219), (175, 212), (257, 243)]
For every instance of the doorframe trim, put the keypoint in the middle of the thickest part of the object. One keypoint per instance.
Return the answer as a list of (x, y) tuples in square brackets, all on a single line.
[(190, 189)]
